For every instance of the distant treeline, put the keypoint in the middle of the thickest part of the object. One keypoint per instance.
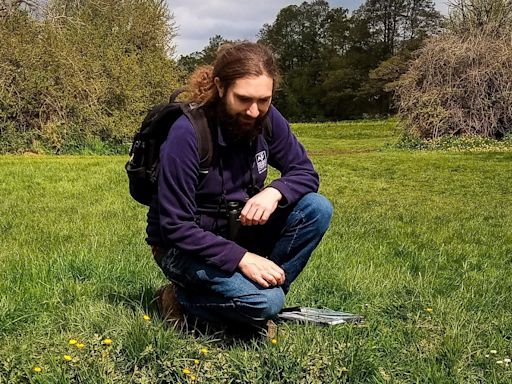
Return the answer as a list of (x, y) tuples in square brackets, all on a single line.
[(336, 65), (79, 75)]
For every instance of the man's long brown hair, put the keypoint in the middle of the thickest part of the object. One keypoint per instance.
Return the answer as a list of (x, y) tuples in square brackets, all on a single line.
[(233, 62)]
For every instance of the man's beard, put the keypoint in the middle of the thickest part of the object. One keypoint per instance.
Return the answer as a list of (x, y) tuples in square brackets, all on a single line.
[(239, 126)]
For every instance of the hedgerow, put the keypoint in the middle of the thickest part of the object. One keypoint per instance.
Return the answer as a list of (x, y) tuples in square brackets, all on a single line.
[(75, 73)]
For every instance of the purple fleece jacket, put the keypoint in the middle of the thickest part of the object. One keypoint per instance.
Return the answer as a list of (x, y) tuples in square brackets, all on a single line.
[(182, 215)]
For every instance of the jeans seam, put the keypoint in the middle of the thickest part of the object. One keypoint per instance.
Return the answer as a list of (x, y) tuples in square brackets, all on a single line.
[(230, 305), (302, 217), (209, 305)]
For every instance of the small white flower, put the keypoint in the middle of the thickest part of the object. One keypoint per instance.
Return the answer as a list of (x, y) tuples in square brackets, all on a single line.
[(493, 351), (506, 360), (499, 362)]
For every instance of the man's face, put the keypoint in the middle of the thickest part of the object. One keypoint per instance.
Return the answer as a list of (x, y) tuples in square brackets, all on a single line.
[(246, 102)]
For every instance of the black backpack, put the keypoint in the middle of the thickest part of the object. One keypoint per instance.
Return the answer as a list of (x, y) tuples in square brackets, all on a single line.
[(144, 164)]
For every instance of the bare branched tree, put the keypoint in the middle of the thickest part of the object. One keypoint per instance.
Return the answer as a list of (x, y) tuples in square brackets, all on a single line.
[(490, 17)]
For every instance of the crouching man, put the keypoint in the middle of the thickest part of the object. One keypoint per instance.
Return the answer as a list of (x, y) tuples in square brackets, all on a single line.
[(217, 275)]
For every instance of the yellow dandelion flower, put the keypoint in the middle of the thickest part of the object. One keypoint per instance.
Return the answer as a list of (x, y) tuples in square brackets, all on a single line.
[(344, 370), (429, 310), (80, 345), (73, 341), (146, 318), (37, 369), (107, 341), (67, 358), (193, 378), (186, 371), (196, 362), (274, 341), (204, 351)]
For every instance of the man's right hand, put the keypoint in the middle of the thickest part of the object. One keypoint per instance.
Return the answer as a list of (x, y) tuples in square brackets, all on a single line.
[(260, 270)]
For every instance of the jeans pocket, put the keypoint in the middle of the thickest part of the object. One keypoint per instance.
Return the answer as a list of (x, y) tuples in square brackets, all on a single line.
[(184, 269), (174, 266)]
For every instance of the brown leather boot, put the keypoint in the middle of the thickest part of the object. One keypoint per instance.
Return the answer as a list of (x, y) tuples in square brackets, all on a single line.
[(270, 330), (168, 305)]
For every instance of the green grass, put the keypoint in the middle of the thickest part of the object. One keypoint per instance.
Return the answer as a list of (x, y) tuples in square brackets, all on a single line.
[(412, 230)]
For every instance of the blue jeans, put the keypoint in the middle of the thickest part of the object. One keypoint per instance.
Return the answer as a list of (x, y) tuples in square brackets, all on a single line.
[(288, 239)]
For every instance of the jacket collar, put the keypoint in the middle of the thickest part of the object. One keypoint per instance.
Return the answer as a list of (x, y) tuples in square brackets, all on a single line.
[(220, 136)]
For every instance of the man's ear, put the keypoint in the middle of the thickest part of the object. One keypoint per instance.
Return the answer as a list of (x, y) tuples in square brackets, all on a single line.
[(220, 87)]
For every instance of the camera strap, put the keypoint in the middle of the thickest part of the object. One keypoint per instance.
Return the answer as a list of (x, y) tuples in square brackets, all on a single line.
[(222, 202)]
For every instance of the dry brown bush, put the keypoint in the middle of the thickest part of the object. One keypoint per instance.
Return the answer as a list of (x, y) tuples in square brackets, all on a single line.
[(489, 17), (459, 85)]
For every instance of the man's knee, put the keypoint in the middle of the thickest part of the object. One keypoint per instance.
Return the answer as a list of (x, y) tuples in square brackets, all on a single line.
[(261, 305), (316, 210)]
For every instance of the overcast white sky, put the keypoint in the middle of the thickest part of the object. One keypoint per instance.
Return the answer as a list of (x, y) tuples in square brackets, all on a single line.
[(198, 20)]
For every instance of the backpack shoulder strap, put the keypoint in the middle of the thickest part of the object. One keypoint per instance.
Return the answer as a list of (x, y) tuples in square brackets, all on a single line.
[(199, 121), (176, 93)]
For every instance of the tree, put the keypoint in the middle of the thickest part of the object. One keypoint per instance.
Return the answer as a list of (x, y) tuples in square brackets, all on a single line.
[(337, 66), (490, 17), (304, 38), (343, 95), (206, 56), (326, 57), (392, 22), (84, 71), (298, 34), (390, 31)]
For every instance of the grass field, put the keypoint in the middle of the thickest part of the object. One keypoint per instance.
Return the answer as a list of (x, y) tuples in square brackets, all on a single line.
[(420, 244)]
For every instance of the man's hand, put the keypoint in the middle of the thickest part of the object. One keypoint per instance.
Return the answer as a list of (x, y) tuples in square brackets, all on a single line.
[(258, 208), (260, 270)]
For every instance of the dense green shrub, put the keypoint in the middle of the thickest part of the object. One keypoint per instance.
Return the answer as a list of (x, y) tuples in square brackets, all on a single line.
[(82, 71)]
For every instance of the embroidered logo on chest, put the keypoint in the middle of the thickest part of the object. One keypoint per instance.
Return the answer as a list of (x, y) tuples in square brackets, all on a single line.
[(261, 161)]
